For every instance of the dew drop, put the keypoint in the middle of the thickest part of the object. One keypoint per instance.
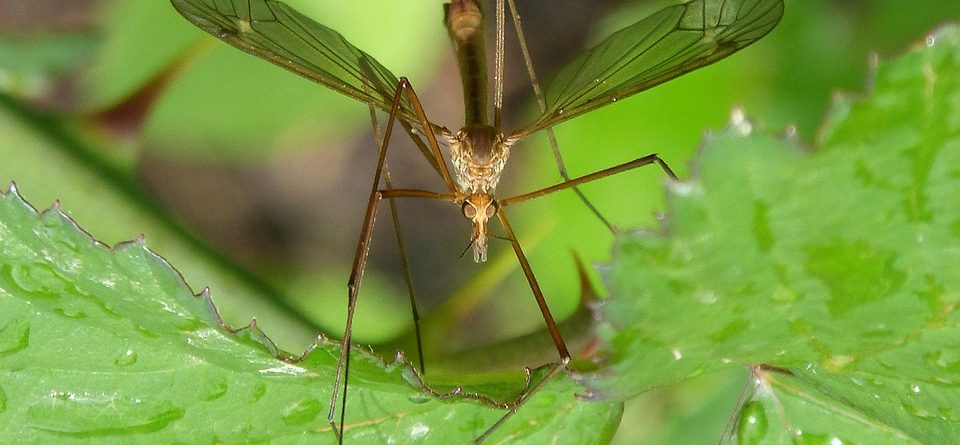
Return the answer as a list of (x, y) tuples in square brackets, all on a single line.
[(14, 337), (37, 280), (915, 389), (707, 297), (418, 430), (791, 132), (917, 411), (70, 312), (81, 414), (934, 359), (146, 332), (802, 438), (677, 354), (946, 413), (302, 412), (944, 381), (215, 390), (752, 427), (931, 40), (258, 392), (838, 362), (418, 399), (126, 358)]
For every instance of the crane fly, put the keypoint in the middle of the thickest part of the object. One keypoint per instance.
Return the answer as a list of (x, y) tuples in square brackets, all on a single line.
[(672, 41)]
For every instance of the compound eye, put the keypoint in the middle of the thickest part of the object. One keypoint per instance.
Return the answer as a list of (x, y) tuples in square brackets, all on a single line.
[(469, 210), (492, 209)]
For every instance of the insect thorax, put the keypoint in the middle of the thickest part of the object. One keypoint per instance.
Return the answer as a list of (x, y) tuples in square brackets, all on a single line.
[(478, 155)]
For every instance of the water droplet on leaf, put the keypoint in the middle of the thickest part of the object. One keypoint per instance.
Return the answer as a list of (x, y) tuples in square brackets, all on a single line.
[(418, 431), (419, 399), (302, 412), (752, 427), (215, 391), (259, 391), (37, 280), (126, 358), (81, 414), (14, 336)]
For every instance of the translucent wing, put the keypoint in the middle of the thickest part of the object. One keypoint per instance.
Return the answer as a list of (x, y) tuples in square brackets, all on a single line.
[(277, 33), (671, 42)]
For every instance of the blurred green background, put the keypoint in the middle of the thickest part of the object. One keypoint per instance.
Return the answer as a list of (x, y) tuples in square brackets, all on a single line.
[(253, 181)]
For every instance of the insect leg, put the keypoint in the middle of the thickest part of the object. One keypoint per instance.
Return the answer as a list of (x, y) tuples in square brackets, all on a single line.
[(366, 235), (359, 265), (407, 274), (646, 160), (542, 103), (547, 317)]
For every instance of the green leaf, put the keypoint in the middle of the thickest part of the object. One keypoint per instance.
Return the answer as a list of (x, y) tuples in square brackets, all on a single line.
[(839, 265), (52, 160), (103, 345)]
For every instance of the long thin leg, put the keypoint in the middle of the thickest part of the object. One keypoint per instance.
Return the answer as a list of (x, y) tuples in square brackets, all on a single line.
[(551, 326), (531, 279), (646, 160), (363, 248), (407, 275), (359, 265), (557, 367), (535, 287), (542, 103), (427, 129)]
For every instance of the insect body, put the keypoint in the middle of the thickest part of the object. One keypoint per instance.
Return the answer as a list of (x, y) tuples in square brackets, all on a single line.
[(670, 42)]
